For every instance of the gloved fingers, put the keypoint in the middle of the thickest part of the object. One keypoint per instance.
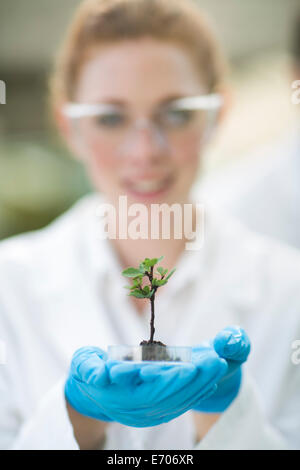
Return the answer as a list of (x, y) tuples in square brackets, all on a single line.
[(209, 362), (169, 381), (88, 364), (232, 343), (181, 402), (86, 351), (205, 394), (154, 408), (159, 413), (152, 372), (124, 373), (200, 355), (184, 371), (98, 410), (148, 415), (210, 372), (202, 386), (190, 402), (185, 380), (157, 383), (137, 373)]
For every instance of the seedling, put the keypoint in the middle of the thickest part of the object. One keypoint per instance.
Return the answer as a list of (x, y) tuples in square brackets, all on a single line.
[(141, 290)]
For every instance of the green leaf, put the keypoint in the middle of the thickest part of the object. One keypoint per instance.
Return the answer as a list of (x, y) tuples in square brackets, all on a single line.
[(147, 263), (170, 274), (159, 282), (138, 294), (142, 268), (160, 270), (153, 262), (131, 272), (145, 266), (146, 290), (137, 281), (159, 259)]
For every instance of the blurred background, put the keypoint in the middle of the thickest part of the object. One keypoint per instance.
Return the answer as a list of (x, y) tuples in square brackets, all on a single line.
[(39, 179)]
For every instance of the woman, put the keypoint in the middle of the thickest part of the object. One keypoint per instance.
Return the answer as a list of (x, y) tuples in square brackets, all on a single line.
[(119, 95)]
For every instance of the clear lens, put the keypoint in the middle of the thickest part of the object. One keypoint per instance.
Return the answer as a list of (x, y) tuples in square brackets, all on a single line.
[(108, 121), (177, 118)]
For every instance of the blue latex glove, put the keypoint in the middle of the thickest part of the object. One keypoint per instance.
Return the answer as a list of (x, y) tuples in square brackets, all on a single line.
[(233, 345), (140, 394)]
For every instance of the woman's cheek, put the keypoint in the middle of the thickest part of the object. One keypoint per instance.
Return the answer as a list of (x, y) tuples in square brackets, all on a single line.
[(187, 157), (102, 164), (187, 153)]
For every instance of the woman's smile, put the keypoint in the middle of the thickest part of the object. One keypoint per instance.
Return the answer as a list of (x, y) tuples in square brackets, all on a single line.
[(148, 188)]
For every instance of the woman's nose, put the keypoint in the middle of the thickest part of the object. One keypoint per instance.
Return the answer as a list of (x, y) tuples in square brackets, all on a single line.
[(144, 142)]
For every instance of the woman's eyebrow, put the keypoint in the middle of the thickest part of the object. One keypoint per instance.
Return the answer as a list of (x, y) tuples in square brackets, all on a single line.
[(112, 101), (173, 97), (121, 103)]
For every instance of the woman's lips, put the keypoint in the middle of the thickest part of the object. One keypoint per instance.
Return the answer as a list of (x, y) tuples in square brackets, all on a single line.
[(148, 188)]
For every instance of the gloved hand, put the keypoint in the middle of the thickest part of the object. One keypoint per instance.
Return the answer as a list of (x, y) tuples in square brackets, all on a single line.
[(140, 394), (233, 345)]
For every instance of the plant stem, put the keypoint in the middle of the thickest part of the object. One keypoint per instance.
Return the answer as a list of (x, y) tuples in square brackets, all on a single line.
[(152, 329), (152, 300)]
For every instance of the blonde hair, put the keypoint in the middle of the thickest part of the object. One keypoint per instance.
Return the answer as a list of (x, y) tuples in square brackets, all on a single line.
[(99, 22)]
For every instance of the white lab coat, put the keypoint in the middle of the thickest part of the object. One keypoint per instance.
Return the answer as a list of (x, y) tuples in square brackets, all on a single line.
[(263, 190), (61, 289)]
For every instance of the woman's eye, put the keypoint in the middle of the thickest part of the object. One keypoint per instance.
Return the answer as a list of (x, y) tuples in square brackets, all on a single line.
[(178, 117), (111, 120)]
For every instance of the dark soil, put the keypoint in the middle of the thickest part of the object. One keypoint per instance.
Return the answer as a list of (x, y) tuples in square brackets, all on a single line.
[(155, 351), (148, 343)]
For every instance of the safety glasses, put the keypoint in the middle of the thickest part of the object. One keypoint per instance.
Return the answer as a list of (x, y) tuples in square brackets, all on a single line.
[(112, 122)]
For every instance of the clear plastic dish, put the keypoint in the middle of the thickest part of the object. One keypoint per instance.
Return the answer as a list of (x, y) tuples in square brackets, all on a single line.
[(152, 352)]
